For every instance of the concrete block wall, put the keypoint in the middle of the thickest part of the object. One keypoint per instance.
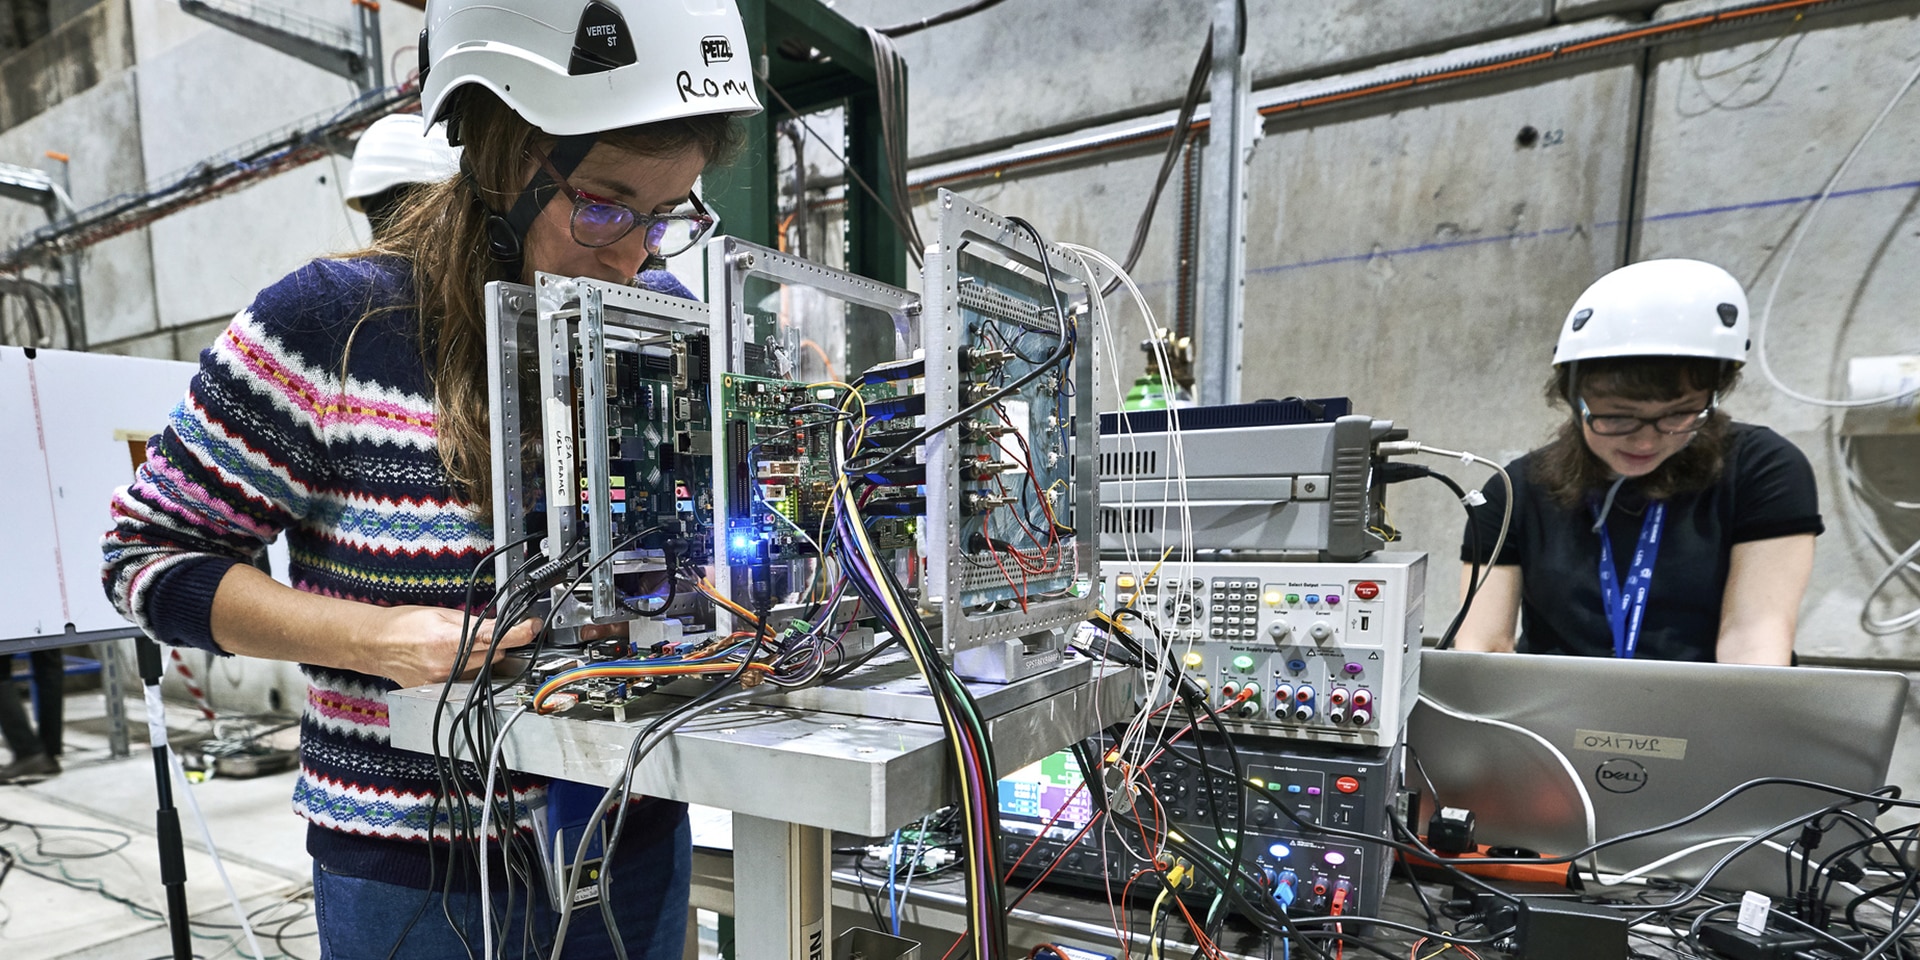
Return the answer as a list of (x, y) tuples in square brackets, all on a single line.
[(135, 91)]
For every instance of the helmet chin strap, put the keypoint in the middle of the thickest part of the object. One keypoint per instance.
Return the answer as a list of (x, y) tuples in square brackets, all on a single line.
[(507, 233)]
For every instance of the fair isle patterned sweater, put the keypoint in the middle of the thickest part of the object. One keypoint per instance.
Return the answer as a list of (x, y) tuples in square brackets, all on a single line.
[(270, 439)]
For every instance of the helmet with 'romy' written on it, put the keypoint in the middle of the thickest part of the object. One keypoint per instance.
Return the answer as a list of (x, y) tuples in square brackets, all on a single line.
[(574, 67)]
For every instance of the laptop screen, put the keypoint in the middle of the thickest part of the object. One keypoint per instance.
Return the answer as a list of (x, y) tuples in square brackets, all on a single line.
[(1538, 747)]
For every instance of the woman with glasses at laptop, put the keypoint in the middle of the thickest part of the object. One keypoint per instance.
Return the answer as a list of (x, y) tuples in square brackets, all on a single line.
[(347, 408), (1653, 525)]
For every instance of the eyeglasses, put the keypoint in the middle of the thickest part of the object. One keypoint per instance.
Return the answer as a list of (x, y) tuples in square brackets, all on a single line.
[(600, 222), (1620, 425)]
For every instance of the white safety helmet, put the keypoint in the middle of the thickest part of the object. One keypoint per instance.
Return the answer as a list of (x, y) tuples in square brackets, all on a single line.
[(573, 67), (1658, 308), (399, 149)]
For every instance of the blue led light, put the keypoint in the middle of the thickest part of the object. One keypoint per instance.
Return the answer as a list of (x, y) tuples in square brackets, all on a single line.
[(1280, 851), (741, 542)]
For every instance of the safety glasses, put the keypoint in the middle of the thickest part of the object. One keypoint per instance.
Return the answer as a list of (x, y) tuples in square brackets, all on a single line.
[(599, 221), (1620, 425)]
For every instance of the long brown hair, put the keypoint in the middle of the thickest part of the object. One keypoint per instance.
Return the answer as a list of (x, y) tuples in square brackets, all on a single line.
[(1571, 472), (441, 231)]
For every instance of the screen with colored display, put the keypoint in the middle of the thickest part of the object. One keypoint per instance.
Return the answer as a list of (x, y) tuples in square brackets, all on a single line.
[(1031, 796)]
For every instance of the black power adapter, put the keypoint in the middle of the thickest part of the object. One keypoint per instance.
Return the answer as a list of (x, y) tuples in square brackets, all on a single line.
[(1554, 929), (1729, 941)]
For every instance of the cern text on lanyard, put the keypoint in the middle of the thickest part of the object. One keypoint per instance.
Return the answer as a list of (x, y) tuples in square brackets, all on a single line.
[(1626, 604)]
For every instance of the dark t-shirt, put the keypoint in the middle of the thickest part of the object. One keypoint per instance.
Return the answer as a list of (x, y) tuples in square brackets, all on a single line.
[(1767, 490)]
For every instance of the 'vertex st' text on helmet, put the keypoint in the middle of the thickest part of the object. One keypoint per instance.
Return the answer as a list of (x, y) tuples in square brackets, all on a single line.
[(574, 67), (1658, 308)]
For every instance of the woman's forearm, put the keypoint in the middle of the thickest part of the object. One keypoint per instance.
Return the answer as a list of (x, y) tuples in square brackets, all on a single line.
[(257, 616)]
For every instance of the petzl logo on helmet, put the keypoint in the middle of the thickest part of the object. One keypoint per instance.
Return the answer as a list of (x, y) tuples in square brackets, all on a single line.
[(715, 50)]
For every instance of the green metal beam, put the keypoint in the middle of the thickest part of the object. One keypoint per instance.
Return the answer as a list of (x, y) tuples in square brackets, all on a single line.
[(817, 60)]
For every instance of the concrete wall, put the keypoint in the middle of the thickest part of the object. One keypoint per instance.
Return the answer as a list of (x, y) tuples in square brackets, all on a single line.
[(99, 131), (209, 260), (1100, 62), (135, 91), (79, 51)]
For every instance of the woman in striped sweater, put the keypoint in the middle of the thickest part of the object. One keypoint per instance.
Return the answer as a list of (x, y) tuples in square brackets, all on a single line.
[(347, 409)]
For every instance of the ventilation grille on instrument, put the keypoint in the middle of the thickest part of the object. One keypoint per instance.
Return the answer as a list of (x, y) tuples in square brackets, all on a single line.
[(1134, 520), (1119, 464)]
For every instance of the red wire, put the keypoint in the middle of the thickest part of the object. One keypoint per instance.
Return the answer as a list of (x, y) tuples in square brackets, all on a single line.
[(1339, 907), (1035, 842), (1019, 592), (1056, 861), (1126, 923)]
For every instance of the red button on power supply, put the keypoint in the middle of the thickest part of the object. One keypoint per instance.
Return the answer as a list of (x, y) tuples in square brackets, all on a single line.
[(1366, 589), (1346, 785)]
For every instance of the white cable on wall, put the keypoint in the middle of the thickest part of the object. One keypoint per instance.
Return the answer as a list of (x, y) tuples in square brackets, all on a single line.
[(1901, 563), (1764, 319), (1898, 624)]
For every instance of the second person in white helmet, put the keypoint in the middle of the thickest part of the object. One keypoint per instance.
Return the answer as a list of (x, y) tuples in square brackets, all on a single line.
[(1653, 525), (395, 157), (346, 409)]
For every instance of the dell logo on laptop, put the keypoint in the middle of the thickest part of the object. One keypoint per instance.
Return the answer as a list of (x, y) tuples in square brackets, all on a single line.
[(1620, 775)]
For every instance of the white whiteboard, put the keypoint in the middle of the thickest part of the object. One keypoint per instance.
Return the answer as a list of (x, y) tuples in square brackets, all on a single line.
[(65, 423)]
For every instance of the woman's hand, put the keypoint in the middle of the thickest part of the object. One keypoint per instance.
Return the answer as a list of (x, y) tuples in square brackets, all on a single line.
[(418, 645)]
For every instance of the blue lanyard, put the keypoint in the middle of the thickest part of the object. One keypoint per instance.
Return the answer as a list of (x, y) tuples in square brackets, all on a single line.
[(1626, 608)]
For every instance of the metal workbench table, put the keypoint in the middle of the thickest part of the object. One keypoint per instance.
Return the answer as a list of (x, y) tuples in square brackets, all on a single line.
[(863, 756)]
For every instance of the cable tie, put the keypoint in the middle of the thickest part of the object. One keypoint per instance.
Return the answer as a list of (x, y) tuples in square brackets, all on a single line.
[(1474, 498)]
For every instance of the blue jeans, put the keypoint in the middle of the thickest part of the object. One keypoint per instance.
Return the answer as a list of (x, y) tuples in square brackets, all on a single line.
[(360, 919)]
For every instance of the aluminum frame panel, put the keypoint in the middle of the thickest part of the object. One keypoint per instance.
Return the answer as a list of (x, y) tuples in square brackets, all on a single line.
[(963, 223)]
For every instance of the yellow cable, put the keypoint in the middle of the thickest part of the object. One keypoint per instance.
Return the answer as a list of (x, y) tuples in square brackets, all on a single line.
[(1151, 574), (1153, 921)]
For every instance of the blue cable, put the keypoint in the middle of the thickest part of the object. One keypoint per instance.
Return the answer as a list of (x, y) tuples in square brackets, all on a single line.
[(893, 869), (1283, 894)]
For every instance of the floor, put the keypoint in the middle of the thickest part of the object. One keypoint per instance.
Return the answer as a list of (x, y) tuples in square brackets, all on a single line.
[(86, 878), (85, 883)]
